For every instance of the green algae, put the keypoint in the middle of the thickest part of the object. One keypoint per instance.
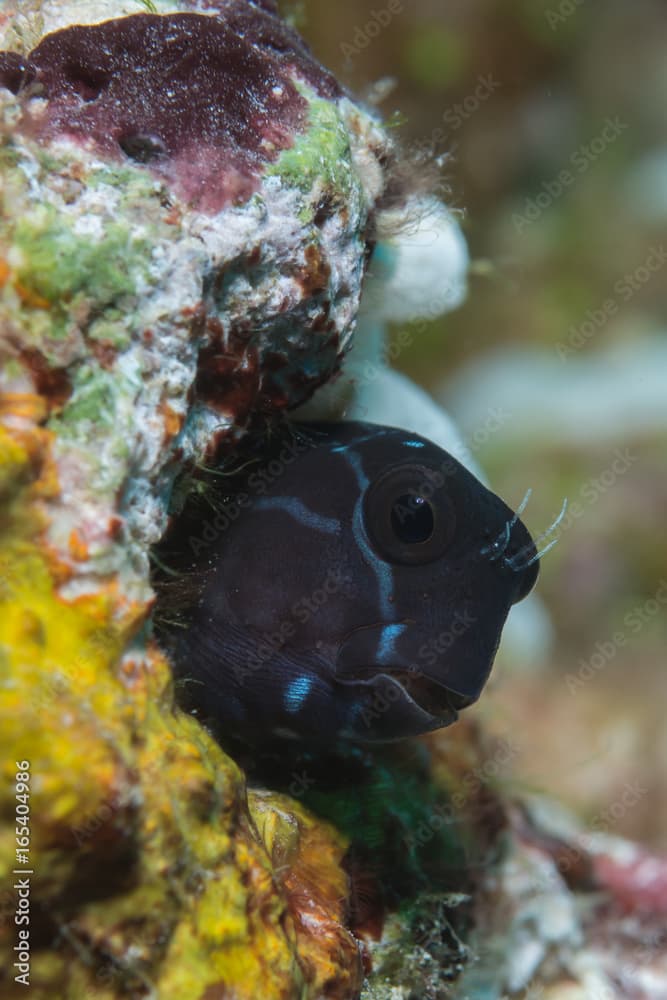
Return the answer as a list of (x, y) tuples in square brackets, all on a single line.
[(321, 158), (402, 829), (60, 264), (95, 399), (79, 271), (111, 328)]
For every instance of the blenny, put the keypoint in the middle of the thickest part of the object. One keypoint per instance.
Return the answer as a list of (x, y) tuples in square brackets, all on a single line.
[(351, 587)]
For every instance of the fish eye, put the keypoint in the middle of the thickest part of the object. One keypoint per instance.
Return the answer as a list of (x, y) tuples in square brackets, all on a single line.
[(412, 519), (408, 516)]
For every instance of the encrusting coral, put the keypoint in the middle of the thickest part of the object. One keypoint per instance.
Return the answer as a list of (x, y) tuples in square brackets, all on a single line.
[(164, 284), (148, 866), (155, 319)]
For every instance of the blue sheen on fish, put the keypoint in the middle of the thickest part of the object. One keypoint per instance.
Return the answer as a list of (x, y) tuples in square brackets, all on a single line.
[(351, 584)]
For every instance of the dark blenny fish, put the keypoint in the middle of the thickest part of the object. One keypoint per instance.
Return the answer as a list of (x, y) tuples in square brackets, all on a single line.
[(353, 587)]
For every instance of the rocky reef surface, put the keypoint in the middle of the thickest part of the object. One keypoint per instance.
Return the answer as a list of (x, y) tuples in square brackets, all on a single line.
[(170, 273)]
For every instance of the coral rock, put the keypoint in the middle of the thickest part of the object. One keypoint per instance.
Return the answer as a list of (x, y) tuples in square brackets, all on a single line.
[(186, 202)]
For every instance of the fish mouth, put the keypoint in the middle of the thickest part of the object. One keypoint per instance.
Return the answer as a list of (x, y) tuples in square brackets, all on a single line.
[(433, 698)]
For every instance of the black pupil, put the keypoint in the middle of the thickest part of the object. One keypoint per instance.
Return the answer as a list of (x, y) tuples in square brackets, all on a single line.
[(412, 519)]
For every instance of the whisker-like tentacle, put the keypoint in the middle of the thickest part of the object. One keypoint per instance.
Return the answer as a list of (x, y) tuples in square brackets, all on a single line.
[(514, 563), (499, 545), (522, 506), (537, 556)]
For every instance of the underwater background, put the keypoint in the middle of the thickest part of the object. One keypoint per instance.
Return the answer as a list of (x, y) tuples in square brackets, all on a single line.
[(547, 120)]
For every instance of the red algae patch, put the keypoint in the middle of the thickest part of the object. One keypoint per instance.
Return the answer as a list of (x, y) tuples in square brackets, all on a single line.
[(204, 101)]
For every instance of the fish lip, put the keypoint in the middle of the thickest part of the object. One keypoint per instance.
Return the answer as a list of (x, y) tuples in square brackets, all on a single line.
[(526, 582), (435, 700)]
